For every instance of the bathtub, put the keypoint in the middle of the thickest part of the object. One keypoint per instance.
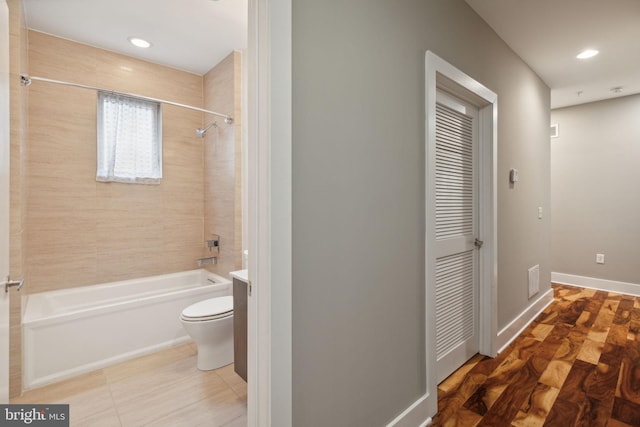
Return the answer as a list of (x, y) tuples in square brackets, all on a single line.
[(77, 330)]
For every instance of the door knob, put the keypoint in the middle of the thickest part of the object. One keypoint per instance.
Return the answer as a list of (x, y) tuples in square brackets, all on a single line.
[(478, 243)]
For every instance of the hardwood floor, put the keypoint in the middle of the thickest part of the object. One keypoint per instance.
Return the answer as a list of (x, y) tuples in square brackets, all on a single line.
[(577, 364), (161, 389)]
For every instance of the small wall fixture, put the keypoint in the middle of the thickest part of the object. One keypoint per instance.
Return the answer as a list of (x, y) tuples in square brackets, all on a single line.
[(214, 248), (214, 244), (513, 175)]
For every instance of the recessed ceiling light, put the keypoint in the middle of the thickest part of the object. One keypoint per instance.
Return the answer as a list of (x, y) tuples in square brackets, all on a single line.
[(137, 41), (589, 53)]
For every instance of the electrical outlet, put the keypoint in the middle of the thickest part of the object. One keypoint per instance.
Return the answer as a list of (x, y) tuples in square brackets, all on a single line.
[(600, 258)]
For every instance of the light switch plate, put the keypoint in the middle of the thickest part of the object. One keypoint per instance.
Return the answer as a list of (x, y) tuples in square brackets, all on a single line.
[(513, 175), (600, 258)]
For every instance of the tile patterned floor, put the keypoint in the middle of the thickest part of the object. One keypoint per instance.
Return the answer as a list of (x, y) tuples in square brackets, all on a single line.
[(577, 364), (161, 389)]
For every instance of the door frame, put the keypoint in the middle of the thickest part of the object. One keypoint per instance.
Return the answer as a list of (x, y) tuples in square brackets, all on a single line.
[(269, 360), (444, 76)]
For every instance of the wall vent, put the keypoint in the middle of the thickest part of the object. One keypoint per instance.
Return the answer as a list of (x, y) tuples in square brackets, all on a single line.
[(534, 280)]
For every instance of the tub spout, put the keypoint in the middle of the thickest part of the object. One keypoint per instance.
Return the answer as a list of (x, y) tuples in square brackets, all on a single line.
[(208, 260)]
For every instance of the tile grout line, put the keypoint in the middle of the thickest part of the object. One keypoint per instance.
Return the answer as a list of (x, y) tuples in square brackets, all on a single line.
[(113, 404)]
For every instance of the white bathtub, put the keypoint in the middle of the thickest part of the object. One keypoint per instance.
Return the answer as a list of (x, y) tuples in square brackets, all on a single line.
[(72, 331)]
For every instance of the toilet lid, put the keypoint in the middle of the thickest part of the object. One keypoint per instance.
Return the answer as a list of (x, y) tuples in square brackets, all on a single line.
[(213, 307)]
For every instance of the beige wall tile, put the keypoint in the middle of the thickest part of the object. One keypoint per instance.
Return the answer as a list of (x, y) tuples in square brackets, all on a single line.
[(18, 167), (223, 160), (15, 358), (61, 59), (62, 272), (127, 74), (85, 232), (238, 155)]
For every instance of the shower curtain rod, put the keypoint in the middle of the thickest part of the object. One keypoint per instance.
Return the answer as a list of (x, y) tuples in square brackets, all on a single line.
[(25, 80)]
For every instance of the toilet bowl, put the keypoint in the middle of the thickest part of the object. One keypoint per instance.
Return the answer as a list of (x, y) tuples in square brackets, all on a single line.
[(210, 325)]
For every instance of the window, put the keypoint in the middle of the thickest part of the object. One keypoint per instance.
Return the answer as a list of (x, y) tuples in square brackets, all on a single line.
[(129, 139)]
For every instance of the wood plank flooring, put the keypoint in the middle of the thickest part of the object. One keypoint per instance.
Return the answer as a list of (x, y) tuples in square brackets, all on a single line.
[(577, 364), (161, 389)]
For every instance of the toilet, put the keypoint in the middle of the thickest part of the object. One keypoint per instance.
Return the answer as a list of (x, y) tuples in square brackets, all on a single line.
[(210, 324)]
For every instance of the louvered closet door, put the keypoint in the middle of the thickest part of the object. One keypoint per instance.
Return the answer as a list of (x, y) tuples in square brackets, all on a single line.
[(455, 230)]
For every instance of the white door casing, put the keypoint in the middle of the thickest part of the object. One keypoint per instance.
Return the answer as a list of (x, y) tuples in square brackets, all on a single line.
[(440, 75), (444, 77), (269, 211), (4, 200)]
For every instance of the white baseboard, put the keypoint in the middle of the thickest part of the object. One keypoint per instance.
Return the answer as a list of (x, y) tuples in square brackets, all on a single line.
[(414, 415), (427, 422), (519, 324), (599, 284)]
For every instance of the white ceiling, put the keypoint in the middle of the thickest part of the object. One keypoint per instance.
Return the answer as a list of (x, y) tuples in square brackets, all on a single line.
[(548, 34), (191, 35), (194, 35)]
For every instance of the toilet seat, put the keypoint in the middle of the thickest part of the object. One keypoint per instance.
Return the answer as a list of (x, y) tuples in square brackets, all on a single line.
[(209, 309)]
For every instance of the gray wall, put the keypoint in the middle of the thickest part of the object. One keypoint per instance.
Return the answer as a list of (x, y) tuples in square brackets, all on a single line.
[(595, 174), (358, 195)]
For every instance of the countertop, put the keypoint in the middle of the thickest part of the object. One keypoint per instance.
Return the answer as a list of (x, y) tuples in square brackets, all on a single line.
[(241, 275)]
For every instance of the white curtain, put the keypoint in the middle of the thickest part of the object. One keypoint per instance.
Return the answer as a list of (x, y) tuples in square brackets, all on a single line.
[(129, 139)]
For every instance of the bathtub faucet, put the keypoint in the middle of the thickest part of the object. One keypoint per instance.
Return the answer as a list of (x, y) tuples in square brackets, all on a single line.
[(214, 243), (208, 260)]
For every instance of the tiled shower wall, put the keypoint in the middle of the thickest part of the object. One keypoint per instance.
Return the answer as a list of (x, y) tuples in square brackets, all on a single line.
[(223, 162), (83, 232), (18, 179)]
